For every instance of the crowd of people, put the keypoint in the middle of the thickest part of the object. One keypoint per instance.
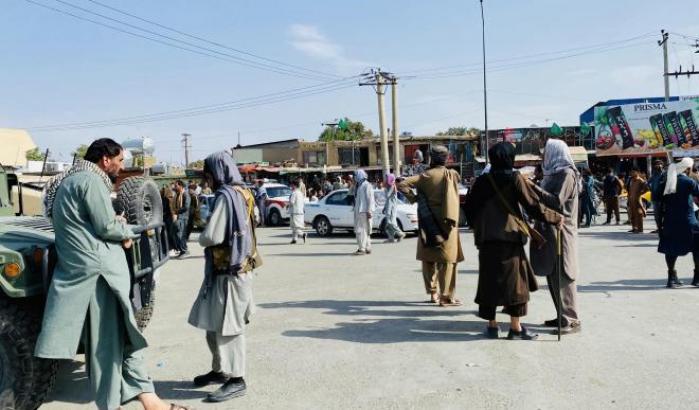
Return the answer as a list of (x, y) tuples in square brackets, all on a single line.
[(506, 211)]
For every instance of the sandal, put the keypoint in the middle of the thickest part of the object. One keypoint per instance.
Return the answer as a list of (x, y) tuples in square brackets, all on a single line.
[(448, 302), (434, 298)]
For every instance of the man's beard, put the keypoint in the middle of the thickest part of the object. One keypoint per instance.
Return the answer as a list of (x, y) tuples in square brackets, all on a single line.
[(112, 177)]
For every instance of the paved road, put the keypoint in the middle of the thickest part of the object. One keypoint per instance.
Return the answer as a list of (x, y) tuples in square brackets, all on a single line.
[(339, 331)]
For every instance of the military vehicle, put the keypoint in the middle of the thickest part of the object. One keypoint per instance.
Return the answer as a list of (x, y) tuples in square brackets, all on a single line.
[(27, 260)]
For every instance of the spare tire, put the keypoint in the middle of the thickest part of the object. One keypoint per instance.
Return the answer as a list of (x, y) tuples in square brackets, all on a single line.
[(139, 198)]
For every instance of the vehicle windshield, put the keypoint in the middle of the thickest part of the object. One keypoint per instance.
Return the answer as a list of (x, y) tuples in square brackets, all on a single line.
[(278, 191)]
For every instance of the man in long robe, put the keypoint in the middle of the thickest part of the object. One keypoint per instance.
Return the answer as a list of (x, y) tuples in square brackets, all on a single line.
[(637, 211), (493, 208), (363, 211), (92, 276), (562, 179), (296, 212), (439, 185), (225, 304)]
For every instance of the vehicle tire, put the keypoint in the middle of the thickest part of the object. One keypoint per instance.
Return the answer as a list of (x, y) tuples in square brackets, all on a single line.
[(25, 380), (144, 315), (274, 218), (322, 226), (139, 198)]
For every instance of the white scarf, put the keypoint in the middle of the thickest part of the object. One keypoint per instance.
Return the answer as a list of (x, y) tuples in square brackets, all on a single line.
[(673, 171)]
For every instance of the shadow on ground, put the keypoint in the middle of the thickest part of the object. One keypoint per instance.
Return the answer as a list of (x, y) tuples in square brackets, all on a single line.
[(626, 284), (401, 325), (621, 236), (72, 386)]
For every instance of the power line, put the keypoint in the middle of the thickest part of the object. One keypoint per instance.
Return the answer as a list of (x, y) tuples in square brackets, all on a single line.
[(530, 56), (506, 67), (197, 49), (202, 110), (210, 41)]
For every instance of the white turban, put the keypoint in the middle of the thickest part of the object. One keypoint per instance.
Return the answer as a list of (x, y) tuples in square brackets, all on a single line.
[(673, 171)]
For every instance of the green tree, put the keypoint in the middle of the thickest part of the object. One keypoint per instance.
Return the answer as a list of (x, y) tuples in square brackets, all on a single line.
[(350, 130), (454, 131), (198, 164), (80, 151), (35, 154), (461, 130)]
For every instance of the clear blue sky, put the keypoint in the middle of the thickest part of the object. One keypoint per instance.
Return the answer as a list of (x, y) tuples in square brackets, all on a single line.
[(59, 70)]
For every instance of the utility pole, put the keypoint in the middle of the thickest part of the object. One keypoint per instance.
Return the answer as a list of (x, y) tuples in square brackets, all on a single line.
[(239, 138), (187, 146), (688, 73), (394, 126), (376, 79), (663, 43), (485, 88)]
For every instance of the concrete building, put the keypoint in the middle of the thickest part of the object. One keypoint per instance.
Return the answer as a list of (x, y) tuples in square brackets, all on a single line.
[(15, 144)]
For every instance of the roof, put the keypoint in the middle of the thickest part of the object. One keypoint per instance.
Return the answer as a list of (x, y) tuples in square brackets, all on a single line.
[(15, 144), (268, 144), (579, 154), (588, 117)]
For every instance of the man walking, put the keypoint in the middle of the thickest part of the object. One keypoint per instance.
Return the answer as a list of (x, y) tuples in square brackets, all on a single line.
[(184, 203), (438, 196), (635, 207), (261, 200), (89, 293), (193, 210), (363, 211), (393, 231), (611, 190), (296, 204), (656, 195), (225, 304)]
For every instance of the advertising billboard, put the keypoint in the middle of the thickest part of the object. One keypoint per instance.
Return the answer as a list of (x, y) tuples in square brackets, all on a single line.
[(648, 128)]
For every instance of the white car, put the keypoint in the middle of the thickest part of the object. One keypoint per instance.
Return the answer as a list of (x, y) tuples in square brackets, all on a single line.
[(334, 211), (277, 204)]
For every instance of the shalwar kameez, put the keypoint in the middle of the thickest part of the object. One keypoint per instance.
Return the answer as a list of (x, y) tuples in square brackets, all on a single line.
[(89, 293)]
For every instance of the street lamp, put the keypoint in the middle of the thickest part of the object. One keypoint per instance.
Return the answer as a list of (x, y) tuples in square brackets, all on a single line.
[(485, 92)]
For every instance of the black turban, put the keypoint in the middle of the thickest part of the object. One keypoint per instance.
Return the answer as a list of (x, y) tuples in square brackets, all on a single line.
[(502, 156)]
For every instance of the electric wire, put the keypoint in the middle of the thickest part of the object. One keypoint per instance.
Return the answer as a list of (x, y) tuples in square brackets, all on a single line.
[(189, 47), (250, 102), (196, 37)]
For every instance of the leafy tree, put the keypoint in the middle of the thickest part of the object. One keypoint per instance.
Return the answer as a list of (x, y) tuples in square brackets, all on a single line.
[(80, 151), (35, 154), (461, 130), (453, 131), (350, 130), (198, 164)]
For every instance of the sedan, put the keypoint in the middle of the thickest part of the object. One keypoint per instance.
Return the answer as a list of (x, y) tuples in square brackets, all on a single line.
[(335, 211)]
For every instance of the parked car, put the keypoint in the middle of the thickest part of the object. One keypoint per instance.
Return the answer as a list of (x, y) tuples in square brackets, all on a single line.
[(277, 204), (334, 211), (206, 206)]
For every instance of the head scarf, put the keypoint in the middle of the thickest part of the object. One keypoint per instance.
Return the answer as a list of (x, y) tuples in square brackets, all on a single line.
[(360, 176), (502, 157), (390, 179), (673, 171), (557, 157), (438, 155), (221, 166)]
